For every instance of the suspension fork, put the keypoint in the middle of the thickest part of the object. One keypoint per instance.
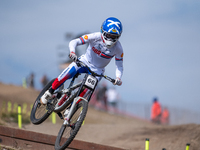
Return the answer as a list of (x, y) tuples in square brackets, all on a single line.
[(76, 101)]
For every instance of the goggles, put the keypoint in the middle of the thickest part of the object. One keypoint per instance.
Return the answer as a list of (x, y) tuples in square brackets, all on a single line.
[(110, 36)]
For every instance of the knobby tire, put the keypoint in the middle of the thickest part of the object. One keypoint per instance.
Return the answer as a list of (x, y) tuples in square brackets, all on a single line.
[(67, 133), (39, 112)]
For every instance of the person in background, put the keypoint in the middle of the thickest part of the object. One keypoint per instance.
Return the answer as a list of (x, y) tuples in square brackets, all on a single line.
[(112, 97), (101, 95), (165, 116), (30, 81), (44, 80), (156, 111)]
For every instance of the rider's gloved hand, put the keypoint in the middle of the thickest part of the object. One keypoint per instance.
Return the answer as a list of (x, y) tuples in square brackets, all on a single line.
[(73, 56), (118, 81)]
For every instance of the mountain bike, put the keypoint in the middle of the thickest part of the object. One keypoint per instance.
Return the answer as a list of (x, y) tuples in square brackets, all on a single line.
[(73, 99)]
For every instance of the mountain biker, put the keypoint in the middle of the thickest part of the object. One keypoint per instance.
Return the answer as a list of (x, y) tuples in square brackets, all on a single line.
[(156, 111), (103, 46)]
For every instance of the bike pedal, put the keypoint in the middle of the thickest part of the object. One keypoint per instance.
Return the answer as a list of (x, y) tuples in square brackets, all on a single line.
[(60, 115)]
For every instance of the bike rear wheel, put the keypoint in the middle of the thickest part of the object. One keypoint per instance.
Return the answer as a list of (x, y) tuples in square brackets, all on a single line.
[(68, 132), (40, 112)]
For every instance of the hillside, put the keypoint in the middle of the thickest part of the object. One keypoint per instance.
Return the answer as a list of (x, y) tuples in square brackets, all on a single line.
[(114, 130)]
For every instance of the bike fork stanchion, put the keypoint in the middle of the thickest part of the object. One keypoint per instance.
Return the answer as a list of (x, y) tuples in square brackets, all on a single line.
[(147, 144), (75, 102)]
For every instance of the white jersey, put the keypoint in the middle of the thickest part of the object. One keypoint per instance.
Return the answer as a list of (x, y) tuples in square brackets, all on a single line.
[(98, 54), (112, 95)]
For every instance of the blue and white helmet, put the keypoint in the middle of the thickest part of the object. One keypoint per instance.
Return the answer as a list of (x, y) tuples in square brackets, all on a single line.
[(111, 30)]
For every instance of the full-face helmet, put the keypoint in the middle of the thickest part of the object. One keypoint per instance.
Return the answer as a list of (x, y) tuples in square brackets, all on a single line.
[(111, 30)]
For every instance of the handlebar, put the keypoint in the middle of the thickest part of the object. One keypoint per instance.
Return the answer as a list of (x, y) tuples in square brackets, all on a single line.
[(80, 63)]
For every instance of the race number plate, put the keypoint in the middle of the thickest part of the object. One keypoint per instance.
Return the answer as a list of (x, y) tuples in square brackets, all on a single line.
[(91, 81)]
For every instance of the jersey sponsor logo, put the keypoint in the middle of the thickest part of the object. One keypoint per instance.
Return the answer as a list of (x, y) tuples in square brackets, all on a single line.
[(86, 37), (99, 46), (101, 54), (96, 50)]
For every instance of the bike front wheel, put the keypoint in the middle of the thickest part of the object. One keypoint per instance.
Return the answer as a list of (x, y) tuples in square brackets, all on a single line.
[(40, 112), (68, 132)]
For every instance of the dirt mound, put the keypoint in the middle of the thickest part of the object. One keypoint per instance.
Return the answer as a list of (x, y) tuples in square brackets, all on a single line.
[(17, 94), (114, 130)]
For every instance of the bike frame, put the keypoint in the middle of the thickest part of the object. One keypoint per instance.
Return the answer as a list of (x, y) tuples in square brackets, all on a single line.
[(89, 82)]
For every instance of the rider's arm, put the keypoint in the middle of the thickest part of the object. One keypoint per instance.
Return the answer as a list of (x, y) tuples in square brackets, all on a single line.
[(119, 68), (119, 72), (73, 44), (82, 40), (119, 62)]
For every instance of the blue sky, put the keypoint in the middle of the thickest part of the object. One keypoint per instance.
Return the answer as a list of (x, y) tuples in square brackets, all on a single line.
[(160, 41)]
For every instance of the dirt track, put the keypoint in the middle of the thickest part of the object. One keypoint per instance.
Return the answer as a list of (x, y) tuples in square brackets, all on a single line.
[(107, 129)]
